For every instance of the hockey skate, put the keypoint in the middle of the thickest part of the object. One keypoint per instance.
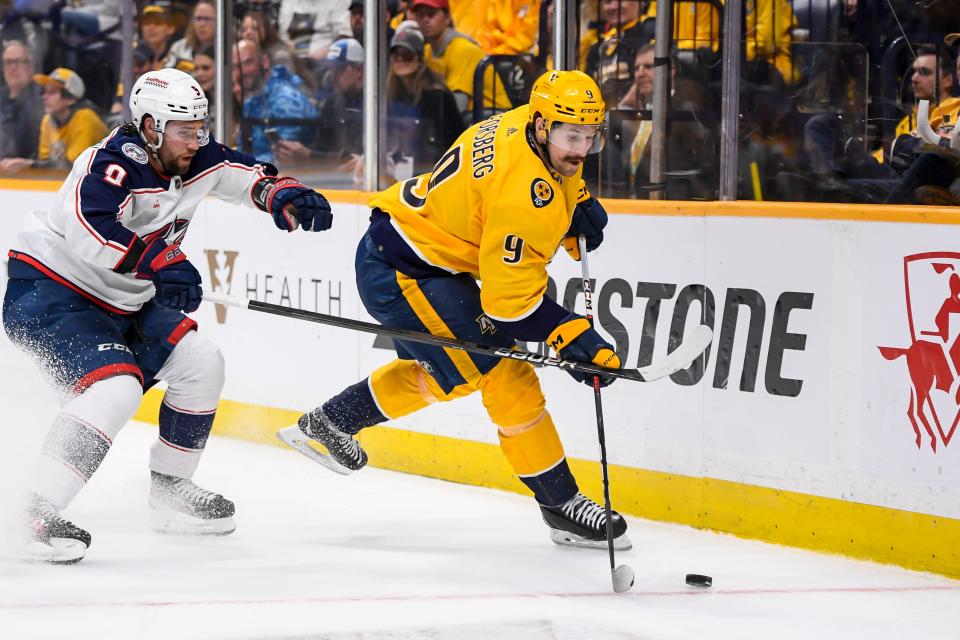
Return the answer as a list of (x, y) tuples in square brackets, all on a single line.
[(581, 522), (178, 506), (52, 538), (344, 454)]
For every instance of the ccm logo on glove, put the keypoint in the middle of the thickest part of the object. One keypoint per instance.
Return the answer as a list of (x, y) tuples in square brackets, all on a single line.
[(574, 339)]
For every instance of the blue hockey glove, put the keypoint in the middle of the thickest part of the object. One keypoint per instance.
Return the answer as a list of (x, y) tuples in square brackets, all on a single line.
[(292, 204), (589, 219), (574, 339), (176, 280)]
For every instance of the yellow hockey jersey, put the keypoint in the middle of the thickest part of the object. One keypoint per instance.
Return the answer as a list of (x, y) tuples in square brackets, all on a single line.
[(490, 208)]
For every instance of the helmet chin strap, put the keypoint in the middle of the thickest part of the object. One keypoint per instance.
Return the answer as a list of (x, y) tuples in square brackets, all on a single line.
[(154, 148), (542, 149)]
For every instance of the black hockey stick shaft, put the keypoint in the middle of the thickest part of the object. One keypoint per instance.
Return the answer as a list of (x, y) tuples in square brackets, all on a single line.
[(424, 338), (598, 403)]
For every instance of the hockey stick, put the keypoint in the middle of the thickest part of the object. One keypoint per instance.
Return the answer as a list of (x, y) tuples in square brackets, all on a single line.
[(622, 576), (680, 358)]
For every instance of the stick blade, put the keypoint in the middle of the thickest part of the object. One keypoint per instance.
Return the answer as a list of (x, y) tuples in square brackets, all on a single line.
[(622, 578), (681, 357)]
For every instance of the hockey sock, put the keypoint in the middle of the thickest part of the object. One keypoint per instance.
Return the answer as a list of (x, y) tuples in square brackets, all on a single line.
[(194, 373), (354, 408), (81, 435), (183, 435), (536, 455)]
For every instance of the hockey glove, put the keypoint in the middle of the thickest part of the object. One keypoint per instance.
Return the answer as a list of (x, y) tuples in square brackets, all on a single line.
[(291, 204), (589, 219), (176, 280), (574, 339)]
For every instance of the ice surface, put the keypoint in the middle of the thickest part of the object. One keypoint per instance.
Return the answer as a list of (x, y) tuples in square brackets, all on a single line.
[(383, 556)]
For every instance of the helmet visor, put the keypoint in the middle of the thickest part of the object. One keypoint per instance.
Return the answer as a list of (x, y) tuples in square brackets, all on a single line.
[(188, 131), (580, 139)]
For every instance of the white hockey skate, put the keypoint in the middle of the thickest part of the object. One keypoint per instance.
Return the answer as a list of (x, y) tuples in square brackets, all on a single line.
[(48, 536), (178, 506)]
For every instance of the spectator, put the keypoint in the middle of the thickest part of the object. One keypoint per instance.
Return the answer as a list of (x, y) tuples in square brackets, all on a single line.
[(92, 17), (356, 20), (835, 153), (767, 36), (341, 117), (396, 14), (690, 147), (200, 34), (543, 49), (454, 57), (610, 61), (156, 30), (257, 26), (142, 62), (416, 96), (314, 25), (268, 92), (498, 26), (695, 26), (205, 73), (69, 126), (21, 104)]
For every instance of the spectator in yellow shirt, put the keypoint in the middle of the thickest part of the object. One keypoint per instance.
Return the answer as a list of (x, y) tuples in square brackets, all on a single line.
[(69, 126), (454, 57), (498, 26), (768, 30)]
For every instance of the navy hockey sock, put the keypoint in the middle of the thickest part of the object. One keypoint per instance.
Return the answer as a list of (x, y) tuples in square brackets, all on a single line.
[(353, 408)]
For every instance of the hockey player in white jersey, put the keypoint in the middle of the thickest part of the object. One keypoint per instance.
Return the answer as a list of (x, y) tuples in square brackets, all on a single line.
[(97, 291)]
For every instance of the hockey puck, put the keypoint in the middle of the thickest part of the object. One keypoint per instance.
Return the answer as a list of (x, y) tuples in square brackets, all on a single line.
[(699, 580)]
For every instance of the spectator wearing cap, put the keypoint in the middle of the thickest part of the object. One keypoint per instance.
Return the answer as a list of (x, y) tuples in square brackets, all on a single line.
[(423, 114), (201, 32), (156, 30), (69, 126), (268, 93), (341, 116), (21, 104), (356, 20), (454, 57)]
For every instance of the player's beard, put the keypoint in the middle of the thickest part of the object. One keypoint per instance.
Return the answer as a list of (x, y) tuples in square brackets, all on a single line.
[(173, 167)]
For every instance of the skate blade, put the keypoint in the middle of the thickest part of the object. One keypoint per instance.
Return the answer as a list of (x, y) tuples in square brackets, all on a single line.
[(174, 523), (568, 539), (59, 551), (295, 439)]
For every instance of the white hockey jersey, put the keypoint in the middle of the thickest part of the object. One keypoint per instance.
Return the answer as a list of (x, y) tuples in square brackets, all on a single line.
[(112, 202)]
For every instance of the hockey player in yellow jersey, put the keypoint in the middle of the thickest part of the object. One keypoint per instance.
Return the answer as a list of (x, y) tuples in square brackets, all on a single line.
[(495, 209)]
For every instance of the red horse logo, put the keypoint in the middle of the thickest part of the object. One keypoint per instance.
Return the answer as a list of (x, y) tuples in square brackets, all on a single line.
[(933, 363)]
